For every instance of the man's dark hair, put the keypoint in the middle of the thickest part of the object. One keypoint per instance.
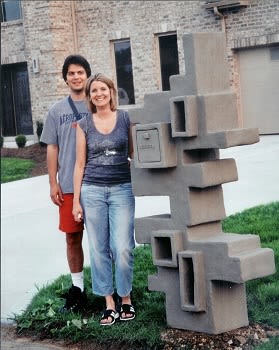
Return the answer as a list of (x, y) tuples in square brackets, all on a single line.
[(75, 59)]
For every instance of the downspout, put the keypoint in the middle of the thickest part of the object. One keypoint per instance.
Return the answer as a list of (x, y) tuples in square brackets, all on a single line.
[(222, 17), (73, 11)]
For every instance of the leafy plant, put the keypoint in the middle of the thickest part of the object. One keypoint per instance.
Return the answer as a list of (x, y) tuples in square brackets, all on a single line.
[(43, 316), (20, 140), (39, 128)]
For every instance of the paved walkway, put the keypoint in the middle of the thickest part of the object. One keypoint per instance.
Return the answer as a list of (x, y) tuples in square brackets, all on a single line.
[(33, 250), (11, 342)]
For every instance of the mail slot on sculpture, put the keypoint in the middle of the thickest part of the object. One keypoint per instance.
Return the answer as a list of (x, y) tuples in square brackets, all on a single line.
[(184, 116), (154, 147)]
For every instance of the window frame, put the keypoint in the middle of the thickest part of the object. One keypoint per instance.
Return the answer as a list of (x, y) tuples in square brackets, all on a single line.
[(3, 15), (274, 53)]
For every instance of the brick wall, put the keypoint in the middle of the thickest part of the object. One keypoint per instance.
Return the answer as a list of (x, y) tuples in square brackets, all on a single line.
[(48, 29), (48, 33)]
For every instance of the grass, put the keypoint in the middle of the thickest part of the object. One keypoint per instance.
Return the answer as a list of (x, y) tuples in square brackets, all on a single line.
[(271, 345), (42, 315), (262, 294), (13, 169)]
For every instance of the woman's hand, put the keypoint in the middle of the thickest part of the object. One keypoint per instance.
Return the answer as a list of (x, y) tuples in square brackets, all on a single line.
[(77, 212)]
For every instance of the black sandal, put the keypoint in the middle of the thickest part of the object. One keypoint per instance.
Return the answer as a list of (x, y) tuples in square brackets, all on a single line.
[(127, 309), (109, 313)]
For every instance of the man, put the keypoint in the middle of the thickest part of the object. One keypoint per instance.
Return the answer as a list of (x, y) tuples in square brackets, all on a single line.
[(59, 133)]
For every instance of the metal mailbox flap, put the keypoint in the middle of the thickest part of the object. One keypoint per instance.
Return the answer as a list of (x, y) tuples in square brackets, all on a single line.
[(148, 145)]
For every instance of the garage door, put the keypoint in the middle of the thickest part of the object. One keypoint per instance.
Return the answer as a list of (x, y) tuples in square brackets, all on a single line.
[(259, 89)]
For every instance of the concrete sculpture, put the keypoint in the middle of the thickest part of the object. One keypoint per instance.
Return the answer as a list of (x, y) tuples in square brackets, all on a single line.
[(177, 137)]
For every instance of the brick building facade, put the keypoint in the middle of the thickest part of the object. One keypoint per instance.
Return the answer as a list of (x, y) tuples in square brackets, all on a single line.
[(50, 30)]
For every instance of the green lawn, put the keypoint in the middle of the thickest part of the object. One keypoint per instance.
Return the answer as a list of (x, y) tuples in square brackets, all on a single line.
[(262, 294), (13, 169), (42, 316)]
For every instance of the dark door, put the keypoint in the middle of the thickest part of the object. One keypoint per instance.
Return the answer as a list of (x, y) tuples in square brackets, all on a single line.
[(15, 100)]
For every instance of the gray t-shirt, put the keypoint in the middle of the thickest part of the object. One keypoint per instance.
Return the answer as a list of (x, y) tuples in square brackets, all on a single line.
[(60, 129)]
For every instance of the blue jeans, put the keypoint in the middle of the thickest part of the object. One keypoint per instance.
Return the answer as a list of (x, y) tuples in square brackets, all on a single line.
[(109, 219)]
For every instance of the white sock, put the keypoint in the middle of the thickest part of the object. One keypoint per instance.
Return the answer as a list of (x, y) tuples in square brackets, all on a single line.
[(77, 279)]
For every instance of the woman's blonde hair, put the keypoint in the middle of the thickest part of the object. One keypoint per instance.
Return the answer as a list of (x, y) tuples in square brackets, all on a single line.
[(101, 77)]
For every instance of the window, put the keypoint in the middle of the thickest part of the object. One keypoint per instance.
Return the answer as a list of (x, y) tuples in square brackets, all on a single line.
[(124, 72), (168, 58), (274, 53), (10, 10)]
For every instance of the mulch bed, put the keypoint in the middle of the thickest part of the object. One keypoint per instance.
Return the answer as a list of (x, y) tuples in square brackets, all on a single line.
[(244, 338)]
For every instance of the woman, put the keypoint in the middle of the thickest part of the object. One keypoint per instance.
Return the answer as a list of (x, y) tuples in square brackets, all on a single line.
[(103, 195)]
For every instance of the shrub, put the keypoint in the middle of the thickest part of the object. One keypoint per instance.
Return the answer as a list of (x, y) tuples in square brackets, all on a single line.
[(20, 141), (39, 129), (1, 141)]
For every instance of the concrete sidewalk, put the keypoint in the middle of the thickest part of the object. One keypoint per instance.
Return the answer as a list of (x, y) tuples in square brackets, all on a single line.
[(33, 250)]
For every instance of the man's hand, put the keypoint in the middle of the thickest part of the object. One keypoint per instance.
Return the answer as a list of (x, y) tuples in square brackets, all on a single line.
[(56, 195)]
